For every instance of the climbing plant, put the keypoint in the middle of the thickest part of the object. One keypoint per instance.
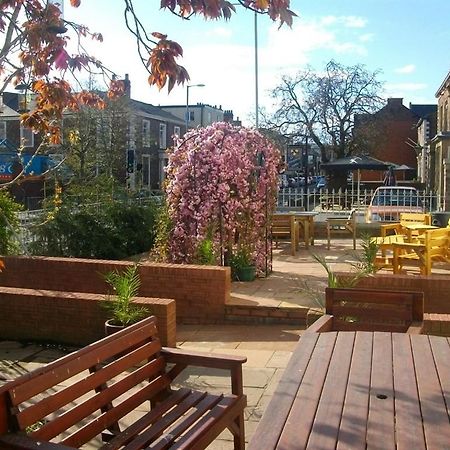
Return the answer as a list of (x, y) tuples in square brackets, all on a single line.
[(221, 187)]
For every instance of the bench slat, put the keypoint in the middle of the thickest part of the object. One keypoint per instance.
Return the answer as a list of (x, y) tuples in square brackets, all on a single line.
[(75, 363), (152, 416), (159, 433), (83, 409), (52, 403), (106, 419), (379, 312), (341, 325), (205, 430), (171, 434)]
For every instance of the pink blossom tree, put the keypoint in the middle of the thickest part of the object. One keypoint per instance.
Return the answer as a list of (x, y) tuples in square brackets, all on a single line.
[(221, 186)]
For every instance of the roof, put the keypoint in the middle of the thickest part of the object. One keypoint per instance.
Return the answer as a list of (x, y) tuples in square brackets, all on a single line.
[(445, 83), (423, 111), (155, 111)]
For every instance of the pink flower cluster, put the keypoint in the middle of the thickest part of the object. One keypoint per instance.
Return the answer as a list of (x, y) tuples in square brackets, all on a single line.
[(221, 182)]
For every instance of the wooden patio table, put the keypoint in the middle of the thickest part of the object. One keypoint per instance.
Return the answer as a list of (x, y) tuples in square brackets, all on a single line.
[(419, 227), (361, 390)]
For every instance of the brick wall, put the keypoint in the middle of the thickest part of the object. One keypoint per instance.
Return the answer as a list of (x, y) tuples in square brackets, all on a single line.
[(69, 317), (436, 288), (200, 292)]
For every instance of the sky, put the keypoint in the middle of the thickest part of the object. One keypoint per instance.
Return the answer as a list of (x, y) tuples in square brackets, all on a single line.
[(408, 41)]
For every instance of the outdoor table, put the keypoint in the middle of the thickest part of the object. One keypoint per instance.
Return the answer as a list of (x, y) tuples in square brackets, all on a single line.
[(419, 227), (361, 390)]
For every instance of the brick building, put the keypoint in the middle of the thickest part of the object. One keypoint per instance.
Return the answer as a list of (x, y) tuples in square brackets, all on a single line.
[(394, 133)]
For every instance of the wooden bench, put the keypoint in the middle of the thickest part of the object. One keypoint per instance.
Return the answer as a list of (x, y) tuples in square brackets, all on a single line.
[(284, 226), (358, 309), (433, 247), (116, 393)]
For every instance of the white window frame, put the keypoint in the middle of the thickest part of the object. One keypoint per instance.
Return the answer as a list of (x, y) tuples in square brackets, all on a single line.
[(162, 135), (26, 141), (146, 137)]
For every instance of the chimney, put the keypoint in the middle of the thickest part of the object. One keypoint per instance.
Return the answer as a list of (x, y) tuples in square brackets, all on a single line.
[(127, 86), (393, 101)]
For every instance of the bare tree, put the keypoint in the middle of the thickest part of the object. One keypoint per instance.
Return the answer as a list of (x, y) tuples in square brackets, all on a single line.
[(324, 105)]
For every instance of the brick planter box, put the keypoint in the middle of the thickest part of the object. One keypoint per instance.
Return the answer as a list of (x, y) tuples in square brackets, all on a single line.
[(52, 291)]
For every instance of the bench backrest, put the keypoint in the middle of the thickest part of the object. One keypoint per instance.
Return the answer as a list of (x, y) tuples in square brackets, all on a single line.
[(42, 403), (406, 218), (373, 310), (282, 224)]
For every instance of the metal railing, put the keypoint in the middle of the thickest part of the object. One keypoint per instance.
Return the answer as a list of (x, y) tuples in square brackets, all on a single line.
[(324, 200)]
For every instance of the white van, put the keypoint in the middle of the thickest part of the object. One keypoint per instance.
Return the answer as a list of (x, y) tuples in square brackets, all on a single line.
[(389, 201)]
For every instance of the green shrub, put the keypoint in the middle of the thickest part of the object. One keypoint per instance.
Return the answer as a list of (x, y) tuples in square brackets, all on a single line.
[(9, 224), (113, 230)]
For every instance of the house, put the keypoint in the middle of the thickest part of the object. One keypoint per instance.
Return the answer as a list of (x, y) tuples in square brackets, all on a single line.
[(426, 130), (391, 133), (139, 153), (200, 115), (441, 144)]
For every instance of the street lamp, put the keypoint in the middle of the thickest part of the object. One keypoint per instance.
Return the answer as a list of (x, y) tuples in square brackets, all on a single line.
[(187, 101)]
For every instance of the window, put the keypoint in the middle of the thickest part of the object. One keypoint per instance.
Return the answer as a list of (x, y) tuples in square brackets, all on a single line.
[(26, 137), (2, 130), (146, 171), (191, 116), (162, 135), (176, 132), (146, 133)]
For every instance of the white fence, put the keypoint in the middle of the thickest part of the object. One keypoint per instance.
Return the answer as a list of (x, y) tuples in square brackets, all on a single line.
[(330, 200)]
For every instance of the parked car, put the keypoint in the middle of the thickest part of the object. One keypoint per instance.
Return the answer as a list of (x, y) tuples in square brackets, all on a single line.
[(389, 201)]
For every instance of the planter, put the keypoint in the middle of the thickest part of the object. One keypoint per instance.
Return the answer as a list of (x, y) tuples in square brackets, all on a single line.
[(111, 328), (245, 273)]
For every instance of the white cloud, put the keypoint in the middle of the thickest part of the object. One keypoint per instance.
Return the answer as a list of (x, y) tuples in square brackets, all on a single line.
[(354, 22), (346, 21), (399, 89), (221, 32), (409, 68), (367, 37)]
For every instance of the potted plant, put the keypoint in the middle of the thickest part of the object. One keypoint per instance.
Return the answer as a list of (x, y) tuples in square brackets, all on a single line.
[(242, 266), (123, 311)]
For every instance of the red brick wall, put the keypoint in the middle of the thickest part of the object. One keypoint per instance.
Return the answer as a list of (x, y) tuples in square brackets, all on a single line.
[(436, 288), (200, 292), (69, 317)]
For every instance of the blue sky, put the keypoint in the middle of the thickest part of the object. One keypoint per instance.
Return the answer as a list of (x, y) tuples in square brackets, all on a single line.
[(407, 40)]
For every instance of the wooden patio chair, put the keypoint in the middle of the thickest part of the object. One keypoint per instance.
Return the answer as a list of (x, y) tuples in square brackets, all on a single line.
[(433, 247), (342, 225)]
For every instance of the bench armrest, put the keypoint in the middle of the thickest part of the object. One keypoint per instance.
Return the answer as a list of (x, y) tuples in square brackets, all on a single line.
[(23, 442), (183, 358)]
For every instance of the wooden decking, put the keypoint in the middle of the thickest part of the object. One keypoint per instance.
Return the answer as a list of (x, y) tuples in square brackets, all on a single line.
[(361, 390)]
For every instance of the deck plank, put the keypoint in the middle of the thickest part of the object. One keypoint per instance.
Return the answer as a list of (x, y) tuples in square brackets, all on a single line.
[(381, 426), (325, 428), (301, 418), (273, 421), (353, 427), (434, 412), (407, 406)]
